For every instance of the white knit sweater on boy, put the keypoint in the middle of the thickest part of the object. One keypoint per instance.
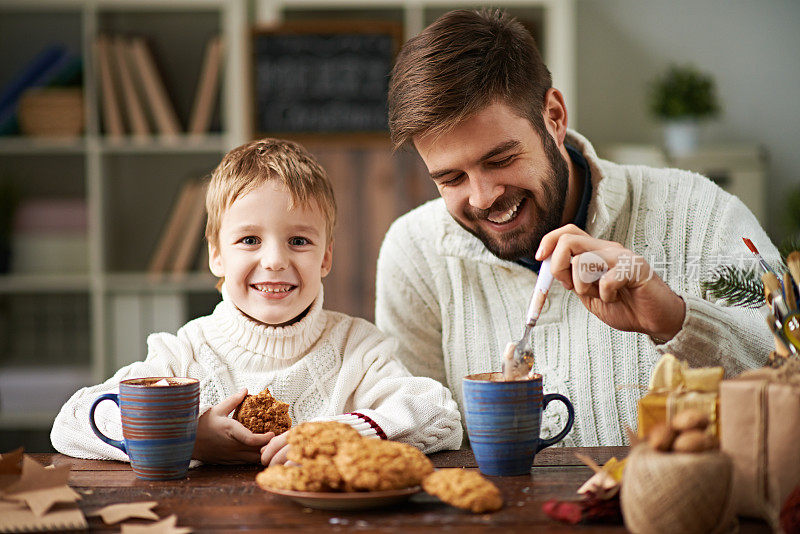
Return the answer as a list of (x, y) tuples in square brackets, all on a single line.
[(454, 306), (327, 366)]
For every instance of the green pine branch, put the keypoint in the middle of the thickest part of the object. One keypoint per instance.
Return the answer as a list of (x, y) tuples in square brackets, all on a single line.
[(736, 286)]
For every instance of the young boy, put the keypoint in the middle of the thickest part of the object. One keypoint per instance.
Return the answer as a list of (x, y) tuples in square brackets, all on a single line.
[(271, 214)]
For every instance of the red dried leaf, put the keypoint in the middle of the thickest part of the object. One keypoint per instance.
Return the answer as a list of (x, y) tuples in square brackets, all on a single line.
[(790, 513), (570, 512)]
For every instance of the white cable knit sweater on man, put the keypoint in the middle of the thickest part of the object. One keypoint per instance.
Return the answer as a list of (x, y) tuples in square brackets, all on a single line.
[(454, 306), (327, 366)]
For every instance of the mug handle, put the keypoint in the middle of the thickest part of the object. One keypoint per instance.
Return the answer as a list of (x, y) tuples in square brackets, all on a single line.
[(113, 442), (570, 419)]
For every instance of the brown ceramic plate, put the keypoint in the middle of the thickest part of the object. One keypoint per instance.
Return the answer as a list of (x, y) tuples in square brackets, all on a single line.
[(359, 500)]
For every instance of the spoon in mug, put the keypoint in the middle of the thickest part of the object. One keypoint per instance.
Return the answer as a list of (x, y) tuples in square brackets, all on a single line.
[(518, 357)]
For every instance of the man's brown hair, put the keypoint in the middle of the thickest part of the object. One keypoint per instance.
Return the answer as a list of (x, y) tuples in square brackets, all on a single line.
[(459, 65), (248, 166)]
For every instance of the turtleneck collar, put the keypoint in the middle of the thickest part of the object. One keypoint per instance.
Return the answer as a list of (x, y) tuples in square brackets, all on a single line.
[(277, 342)]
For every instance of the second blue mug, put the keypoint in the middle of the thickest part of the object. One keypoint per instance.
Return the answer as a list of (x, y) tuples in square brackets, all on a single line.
[(503, 421)]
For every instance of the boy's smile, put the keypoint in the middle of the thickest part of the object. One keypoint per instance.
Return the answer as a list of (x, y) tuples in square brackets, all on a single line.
[(273, 257)]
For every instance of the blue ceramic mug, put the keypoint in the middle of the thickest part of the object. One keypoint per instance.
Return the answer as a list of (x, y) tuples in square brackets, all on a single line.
[(503, 420), (159, 424)]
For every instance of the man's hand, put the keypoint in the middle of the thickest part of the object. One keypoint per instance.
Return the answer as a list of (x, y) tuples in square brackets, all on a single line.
[(274, 452), (615, 284), (222, 440)]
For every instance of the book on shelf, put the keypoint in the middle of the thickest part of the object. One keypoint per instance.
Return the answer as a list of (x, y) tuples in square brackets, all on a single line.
[(54, 65), (133, 103), (112, 115), (188, 247), (50, 236), (161, 108), (182, 235), (207, 88)]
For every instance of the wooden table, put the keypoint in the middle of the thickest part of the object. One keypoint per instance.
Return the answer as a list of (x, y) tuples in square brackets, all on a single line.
[(226, 499)]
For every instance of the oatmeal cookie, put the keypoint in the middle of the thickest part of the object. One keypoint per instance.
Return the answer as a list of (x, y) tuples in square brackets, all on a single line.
[(464, 489), (308, 441), (263, 413), (373, 464), (289, 478)]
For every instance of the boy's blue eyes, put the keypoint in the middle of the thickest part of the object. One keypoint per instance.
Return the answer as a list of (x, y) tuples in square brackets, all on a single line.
[(294, 241)]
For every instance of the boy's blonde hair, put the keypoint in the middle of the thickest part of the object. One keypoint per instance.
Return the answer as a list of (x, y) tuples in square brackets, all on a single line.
[(249, 166)]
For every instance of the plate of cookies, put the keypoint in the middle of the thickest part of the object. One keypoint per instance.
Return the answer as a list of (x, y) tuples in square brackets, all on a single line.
[(334, 468), (356, 500)]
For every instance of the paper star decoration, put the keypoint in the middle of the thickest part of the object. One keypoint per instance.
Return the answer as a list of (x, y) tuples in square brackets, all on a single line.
[(10, 468), (167, 526), (114, 513), (40, 488)]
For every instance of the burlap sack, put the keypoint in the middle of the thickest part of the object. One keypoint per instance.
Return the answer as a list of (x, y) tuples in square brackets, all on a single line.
[(760, 431), (669, 492)]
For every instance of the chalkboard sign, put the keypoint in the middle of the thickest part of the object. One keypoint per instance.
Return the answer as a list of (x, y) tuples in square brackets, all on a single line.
[(314, 77)]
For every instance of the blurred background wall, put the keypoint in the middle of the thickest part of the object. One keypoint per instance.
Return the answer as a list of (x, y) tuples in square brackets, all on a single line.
[(749, 46)]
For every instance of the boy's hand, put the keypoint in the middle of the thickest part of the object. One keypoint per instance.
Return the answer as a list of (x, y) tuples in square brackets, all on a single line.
[(222, 440), (274, 452)]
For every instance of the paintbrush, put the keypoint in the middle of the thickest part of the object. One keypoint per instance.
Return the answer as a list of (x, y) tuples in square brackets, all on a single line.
[(761, 260), (774, 295), (789, 287), (780, 335), (793, 263)]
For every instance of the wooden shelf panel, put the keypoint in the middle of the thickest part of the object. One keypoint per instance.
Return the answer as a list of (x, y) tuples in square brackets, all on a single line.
[(21, 145), (44, 283), (165, 283)]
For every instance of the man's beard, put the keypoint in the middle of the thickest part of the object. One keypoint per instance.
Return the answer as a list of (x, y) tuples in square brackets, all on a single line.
[(523, 242)]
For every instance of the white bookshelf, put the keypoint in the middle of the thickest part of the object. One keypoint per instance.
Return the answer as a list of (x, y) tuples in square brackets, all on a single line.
[(98, 164)]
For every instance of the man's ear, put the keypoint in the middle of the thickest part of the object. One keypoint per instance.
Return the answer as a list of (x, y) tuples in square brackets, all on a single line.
[(327, 260), (554, 114), (215, 261)]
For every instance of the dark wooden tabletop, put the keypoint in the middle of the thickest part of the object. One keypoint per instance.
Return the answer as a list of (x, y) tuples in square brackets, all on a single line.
[(226, 498)]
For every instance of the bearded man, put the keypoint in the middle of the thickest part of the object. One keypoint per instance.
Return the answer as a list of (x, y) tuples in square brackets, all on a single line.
[(628, 244)]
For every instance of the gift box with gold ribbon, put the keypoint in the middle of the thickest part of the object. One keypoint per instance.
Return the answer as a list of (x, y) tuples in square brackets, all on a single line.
[(675, 387)]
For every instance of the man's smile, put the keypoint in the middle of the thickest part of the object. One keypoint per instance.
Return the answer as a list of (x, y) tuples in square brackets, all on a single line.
[(503, 217)]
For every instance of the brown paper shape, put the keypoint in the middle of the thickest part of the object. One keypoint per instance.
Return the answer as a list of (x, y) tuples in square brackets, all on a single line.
[(41, 500), (10, 468), (10, 462), (16, 517), (166, 526), (114, 513), (35, 477)]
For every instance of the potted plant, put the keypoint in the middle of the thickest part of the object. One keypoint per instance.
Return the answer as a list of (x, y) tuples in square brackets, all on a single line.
[(681, 97)]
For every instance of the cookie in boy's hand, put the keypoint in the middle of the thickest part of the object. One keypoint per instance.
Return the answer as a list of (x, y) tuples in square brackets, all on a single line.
[(374, 465), (263, 413), (464, 489)]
